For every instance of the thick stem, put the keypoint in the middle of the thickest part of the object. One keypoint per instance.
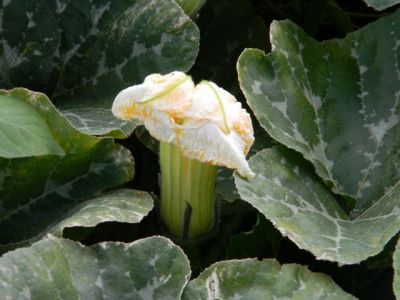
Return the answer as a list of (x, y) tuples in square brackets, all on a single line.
[(187, 193)]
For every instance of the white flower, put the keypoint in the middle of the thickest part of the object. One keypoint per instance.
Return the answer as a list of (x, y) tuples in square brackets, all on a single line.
[(158, 102), (217, 129), (205, 122)]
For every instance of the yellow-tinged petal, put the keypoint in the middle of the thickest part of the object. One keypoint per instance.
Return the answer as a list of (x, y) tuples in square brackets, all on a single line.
[(205, 121), (208, 143), (217, 129), (159, 102)]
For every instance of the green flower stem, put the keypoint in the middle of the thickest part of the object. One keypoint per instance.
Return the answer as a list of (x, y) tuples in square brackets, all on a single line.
[(187, 193)]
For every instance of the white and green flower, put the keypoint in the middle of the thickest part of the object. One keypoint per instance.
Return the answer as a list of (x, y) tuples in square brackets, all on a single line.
[(199, 127)]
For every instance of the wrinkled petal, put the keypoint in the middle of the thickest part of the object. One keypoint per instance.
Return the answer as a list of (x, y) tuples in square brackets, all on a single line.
[(223, 129), (159, 102), (205, 121), (208, 143)]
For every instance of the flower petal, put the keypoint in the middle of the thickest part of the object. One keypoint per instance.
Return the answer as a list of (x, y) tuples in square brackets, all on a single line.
[(159, 102), (169, 93), (206, 121), (208, 143), (224, 129)]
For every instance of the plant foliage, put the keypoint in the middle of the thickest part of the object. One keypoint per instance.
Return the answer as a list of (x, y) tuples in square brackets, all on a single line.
[(80, 189), (306, 99)]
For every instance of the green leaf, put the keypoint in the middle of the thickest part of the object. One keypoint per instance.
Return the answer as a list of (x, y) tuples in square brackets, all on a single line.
[(128, 206), (23, 132), (191, 7), (88, 51), (287, 191), (324, 100), (28, 42), (301, 90), (151, 268), (252, 280), (396, 266), (146, 139), (98, 121), (225, 185), (381, 4), (37, 192), (255, 242)]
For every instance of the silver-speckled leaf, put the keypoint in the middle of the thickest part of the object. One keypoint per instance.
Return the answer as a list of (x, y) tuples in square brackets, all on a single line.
[(287, 191), (250, 279), (151, 268), (82, 53), (28, 42), (337, 103), (381, 4), (127, 206), (97, 121), (38, 191), (396, 267)]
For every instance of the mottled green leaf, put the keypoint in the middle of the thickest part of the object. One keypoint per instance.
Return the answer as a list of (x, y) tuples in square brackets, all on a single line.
[(324, 100), (36, 192), (23, 131), (98, 121), (151, 268), (128, 206), (225, 185), (253, 280), (86, 52), (396, 266), (287, 191), (381, 4), (337, 103), (29, 40)]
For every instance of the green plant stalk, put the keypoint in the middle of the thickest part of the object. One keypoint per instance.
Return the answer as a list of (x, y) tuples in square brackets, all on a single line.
[(187, 205)]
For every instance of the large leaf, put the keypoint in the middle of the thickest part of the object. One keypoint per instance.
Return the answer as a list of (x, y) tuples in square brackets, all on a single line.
[(85, 52), (396, 266), (23, 131), (337, 103), (381, 4), (38, 191), (252, 280), (128, 206), (151, 268), (287, 191), (324, 100)]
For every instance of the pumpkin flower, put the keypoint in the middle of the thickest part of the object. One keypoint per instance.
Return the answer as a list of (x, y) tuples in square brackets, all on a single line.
[(199, 128)]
